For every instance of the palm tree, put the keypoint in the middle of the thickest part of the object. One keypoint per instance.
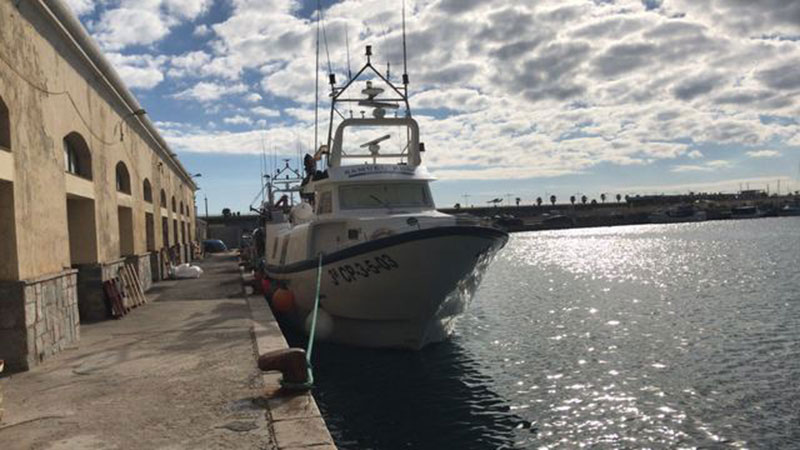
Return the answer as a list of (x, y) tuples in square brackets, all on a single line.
[(619, 198), (584, 199), (553, 200), (572, 199), (603, 197), (538, 201)]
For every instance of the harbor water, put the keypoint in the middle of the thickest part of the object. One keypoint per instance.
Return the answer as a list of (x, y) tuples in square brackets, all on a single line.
[(661, 336)]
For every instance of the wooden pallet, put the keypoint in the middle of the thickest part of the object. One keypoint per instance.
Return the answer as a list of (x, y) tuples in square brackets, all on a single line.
[(137, 285), (134, 294), (115, 298)]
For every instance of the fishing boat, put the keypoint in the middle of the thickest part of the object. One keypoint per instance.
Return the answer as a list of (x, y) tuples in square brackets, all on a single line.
[(389, 269)]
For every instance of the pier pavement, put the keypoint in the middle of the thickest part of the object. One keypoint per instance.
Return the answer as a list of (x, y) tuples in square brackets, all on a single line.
[(176, 373)]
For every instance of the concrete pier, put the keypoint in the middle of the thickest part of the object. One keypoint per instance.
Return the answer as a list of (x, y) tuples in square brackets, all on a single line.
[(178, 372)]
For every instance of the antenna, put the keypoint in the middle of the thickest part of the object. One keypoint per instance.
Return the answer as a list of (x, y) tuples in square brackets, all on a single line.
[(325, 39), (263, 166), (347, 44), (405, 56)]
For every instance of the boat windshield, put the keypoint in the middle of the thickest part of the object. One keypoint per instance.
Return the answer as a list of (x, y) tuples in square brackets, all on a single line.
[(388, 195)]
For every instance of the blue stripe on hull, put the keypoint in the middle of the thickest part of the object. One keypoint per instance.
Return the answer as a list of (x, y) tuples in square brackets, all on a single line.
[(390, 241)]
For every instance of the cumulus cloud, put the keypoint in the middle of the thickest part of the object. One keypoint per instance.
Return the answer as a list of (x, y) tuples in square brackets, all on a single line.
[(265, 112), (784, 76), (139, 71), (695, 154), (189, 63), (709, 166), (187, 9), (201, 30), (458, 99), (693, 87), (81, 7), (253, 97), (131, 22), (742, 17), (764, 154), (122, 27), (238, 120), (205, 91)]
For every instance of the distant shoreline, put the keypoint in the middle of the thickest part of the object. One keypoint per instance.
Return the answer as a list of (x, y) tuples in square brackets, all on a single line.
[(640, 211)]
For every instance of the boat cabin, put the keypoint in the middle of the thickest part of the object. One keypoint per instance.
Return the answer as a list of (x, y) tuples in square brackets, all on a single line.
[(373, 189)]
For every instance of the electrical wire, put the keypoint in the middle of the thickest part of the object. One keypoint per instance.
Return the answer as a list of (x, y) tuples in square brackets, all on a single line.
[(97, 136), (35, 86)]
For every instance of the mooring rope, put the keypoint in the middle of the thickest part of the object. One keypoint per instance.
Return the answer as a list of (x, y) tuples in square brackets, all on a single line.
[(309, 383), (313, 330)]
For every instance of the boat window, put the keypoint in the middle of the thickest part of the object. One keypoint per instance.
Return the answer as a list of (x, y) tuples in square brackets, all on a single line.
[(363, 145), (325, 205), (389, 195)]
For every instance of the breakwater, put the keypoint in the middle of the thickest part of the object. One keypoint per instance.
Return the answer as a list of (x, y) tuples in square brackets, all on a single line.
[(635, 211)]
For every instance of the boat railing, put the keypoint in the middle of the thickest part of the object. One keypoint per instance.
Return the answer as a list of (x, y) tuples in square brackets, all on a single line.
[(412, 149)]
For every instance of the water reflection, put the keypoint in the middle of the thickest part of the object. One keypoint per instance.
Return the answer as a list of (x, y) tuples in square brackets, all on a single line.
[(667, 336), (437, 398)]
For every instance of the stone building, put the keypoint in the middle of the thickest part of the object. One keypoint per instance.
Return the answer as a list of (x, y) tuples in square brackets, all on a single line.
[(86, 183)]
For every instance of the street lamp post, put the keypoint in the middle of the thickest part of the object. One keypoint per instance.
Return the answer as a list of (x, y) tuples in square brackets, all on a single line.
[(205, 197)]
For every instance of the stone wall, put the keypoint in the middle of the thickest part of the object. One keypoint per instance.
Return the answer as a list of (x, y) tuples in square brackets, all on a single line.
[(38, 318), (91, 298)]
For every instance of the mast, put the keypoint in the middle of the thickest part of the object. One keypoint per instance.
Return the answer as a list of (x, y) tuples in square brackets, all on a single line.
[(316, 83)]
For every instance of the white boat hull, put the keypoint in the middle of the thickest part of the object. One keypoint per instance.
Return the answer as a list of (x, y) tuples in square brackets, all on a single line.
[(402, 291)]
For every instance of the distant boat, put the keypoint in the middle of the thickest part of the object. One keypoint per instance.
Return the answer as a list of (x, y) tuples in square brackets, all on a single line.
[(678, 214), (746, 212), (557, 221), (508, 222), (790, 210)]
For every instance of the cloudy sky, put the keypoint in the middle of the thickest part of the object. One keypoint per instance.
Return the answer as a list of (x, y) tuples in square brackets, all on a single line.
[(515, 97)]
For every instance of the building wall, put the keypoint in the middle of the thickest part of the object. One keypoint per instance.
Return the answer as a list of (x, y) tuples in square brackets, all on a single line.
[(48, 76), (52, 220), (230, 229)]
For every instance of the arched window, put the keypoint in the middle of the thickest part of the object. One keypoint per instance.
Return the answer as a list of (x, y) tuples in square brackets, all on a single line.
[(181, 208), (5, 127), (123, 178), (174, 205), (163, 199), (77, 157), (147, 191)]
